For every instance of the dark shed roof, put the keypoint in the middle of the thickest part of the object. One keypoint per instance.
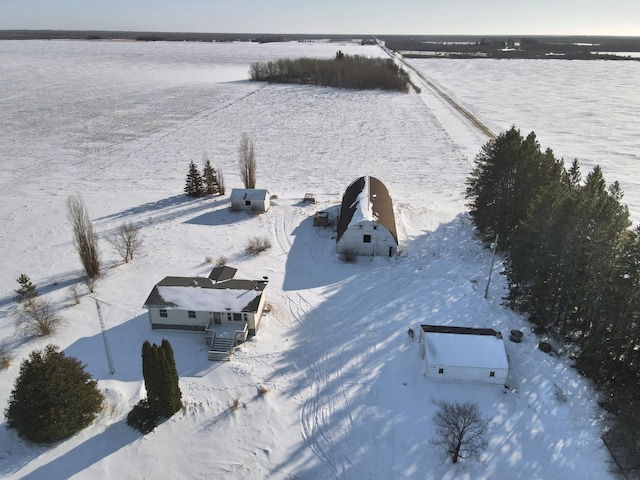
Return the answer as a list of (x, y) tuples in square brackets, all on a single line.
[(222, 273), (381, 205), (458, 330)]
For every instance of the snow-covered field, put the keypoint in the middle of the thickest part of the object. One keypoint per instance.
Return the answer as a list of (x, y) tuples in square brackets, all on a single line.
[(580, 109), (118, 123)]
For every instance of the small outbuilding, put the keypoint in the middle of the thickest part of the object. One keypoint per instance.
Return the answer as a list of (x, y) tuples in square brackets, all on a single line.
[(207, 303), (250, 199), (464, 354), (367, 225)]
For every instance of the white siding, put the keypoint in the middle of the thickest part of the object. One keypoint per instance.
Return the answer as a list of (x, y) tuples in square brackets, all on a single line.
[(381, 241)]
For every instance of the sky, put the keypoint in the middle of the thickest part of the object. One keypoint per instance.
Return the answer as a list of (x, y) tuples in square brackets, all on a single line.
[(402, 17)]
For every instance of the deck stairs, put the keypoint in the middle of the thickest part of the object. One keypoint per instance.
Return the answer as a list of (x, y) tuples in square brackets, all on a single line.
[(222, 342)]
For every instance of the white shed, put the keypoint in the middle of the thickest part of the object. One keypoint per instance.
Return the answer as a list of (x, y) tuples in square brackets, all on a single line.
[(250, 199), (367, 224), (464, 354)]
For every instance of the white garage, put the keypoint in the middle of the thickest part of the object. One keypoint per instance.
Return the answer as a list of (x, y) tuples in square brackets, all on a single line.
[(464, 354)]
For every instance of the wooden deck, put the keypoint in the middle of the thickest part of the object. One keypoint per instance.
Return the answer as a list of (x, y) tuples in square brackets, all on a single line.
[(223, 339)]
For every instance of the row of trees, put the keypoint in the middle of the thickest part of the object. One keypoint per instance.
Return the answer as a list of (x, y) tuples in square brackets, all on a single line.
[(573, 262), (343, 71), (209, 182)]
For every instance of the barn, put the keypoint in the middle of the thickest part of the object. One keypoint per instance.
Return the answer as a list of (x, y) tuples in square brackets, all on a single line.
[(250, 199), (206, 303), (367, 225), (464, 354)]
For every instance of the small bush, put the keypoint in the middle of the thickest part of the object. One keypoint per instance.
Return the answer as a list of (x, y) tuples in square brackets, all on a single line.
[(221, 261), (74, 293), (208, 259), (257, 245), (5, 357), (262, 390), (37, 317), (235, 405), (142, 418), (348, 256)]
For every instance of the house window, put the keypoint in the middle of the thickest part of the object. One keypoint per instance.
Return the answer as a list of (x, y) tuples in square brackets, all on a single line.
[(375, 227), (247, 203), (237, 317), (492, 374), (192, 314), (244, 317), (163, 313), (441, 370), (366, 238), (228, 317)]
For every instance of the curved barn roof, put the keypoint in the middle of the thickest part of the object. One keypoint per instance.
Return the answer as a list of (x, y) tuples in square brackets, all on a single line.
[(367, 199)]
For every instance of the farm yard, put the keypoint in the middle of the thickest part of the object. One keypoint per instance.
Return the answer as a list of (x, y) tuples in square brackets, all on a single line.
[(345, 392)]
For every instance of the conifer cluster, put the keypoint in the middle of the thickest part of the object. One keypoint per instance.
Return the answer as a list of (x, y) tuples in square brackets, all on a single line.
[(572, 260), (201, 184)]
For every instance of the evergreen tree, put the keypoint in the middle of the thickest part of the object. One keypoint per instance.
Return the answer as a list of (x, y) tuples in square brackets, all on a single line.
[(53, 397), (161, 379), (27, 290), (194, 186), (210, 179)]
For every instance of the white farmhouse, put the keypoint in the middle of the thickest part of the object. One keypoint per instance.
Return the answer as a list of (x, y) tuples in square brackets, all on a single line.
[(367, 224), (207, 303), (250, 199), (464, 354)]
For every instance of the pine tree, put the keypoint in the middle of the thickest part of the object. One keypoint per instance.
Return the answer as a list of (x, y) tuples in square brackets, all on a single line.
[(27, 290), (53, 397), (210, 179), (194, 186)]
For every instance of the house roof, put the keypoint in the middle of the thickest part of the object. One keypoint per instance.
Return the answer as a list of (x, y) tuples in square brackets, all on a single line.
[(464, 347), (249, 194), (203, 294), (218, 274), (366, 199)]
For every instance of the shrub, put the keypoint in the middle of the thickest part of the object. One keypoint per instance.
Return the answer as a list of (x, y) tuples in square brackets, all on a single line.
[(37, 317), (142, 418), (222, 260), (5, 357), (348, 256), (262, 390), (52, 398), (235, 405), (74, 293), (208, 259), (257, 245)]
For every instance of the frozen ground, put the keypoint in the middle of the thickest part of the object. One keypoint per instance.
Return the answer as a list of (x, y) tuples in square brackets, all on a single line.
[(118, 123)]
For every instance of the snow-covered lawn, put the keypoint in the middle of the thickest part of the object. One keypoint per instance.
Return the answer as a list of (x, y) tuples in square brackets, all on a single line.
[(118, 123)]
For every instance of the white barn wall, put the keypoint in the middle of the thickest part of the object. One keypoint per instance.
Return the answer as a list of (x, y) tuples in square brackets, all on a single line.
[(466, 374), (381, 240)]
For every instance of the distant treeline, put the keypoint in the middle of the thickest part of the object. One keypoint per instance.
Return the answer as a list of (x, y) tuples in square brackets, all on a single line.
[(568, 48), (343, 71)]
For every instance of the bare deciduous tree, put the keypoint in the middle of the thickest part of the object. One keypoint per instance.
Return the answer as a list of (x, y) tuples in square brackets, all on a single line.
[(247, 162), (85, 239), (38, 317), (222, 188), (461, 432), (126, 241)]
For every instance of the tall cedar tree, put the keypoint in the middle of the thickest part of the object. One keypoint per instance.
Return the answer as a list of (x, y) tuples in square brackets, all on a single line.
[(161, 379), (210, 179), (27, 289), (53, 397), (194, 186)]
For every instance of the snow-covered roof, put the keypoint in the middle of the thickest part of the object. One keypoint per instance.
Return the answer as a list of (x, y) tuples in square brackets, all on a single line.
[(203, 294), (249, 194), (464, 347), (366, 199)]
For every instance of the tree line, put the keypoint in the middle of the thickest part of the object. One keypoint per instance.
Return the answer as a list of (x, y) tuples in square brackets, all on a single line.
[(572, 258), (343, 71)]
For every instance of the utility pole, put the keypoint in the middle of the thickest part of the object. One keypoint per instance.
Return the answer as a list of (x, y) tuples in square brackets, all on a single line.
[(107, 350), (495, 245)]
